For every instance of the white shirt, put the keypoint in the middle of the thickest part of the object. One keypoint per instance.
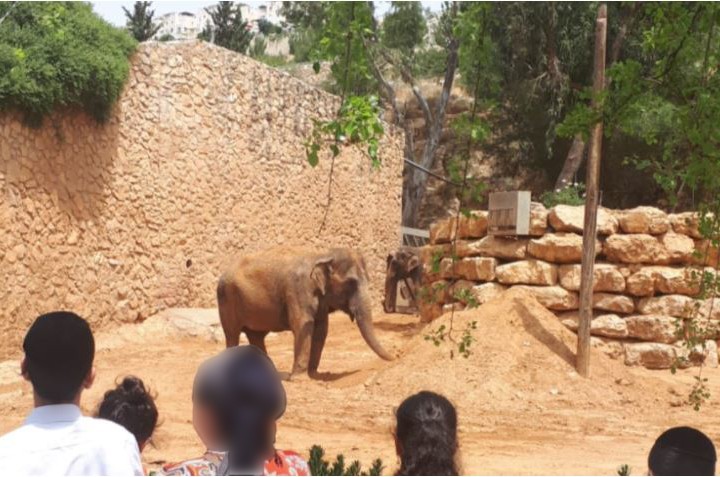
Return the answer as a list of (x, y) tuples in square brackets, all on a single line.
[(58, 440)]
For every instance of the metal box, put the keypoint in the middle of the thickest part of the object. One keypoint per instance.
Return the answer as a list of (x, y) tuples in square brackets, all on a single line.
[(509, 213)]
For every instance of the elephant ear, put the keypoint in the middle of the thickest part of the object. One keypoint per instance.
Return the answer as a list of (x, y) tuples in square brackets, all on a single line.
[(320, 273), (413, 263)]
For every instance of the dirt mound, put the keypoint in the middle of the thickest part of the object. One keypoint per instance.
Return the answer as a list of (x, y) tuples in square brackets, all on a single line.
[(521, 353)]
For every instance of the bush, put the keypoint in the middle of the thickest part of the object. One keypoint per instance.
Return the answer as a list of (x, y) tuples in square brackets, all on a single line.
[(60, 54), (276, 61), (430, 63), (570, 195), (301, 43), (319, 466), (258, 47)]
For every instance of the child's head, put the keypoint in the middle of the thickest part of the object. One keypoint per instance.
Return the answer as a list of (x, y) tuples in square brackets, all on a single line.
[(682, 451), (132, 406), (59, 351), (426, 435)]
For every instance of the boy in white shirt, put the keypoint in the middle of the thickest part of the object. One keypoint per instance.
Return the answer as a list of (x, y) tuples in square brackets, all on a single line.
[(55, 438)]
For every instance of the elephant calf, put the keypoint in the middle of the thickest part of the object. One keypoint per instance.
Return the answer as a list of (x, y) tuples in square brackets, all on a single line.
[(295, 289)]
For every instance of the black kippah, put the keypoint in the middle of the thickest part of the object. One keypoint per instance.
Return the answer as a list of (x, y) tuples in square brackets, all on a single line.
[(682, 451)]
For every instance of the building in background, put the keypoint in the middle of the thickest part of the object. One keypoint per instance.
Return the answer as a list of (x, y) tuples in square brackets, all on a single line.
[(187, 25)]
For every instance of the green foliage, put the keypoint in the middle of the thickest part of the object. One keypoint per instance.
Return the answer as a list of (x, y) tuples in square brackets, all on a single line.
[(404, 27), (276, 61), (140, 21), (624, 470), (472, 28), (268, 28), (341, 43), (429, 63), (358, 122), (572, 194), (228, 29), (258, 47), (305, 15), (319, 466), (166, 37), (302, 42), (55, 54)]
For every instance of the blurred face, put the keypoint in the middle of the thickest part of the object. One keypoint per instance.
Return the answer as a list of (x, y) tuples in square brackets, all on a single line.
[(206, 427)]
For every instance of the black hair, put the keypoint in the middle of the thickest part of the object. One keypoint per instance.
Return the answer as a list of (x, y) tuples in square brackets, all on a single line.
[(59, 351), (682, 451), (132, 406), (427, 433), (252, 399)]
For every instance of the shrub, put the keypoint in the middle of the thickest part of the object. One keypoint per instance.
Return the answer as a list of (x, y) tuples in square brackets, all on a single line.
[(430, 63), (319, 466), (60, 54), (276, 61), (570, 195), (301, 43), (258, 47)]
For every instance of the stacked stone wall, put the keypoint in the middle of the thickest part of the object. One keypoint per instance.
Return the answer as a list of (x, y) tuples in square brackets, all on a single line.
[(203, 158), (646, 276)]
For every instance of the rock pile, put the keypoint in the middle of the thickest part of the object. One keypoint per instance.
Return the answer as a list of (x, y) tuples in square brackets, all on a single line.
[(646, 279)]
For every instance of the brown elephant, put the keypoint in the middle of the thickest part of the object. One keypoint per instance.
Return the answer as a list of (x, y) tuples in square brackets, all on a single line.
[(295, 289), (404, 264)]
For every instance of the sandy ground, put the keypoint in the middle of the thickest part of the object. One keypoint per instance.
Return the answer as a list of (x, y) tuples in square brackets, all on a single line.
[(522, 408)]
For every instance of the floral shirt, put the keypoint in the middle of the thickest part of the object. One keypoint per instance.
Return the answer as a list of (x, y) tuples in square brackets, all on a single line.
[(284, 463)]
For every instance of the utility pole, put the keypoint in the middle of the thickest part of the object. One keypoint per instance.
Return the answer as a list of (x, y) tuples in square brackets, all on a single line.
[(591, 201)]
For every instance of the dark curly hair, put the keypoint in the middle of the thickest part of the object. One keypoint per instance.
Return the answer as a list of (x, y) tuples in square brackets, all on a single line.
[(132, 406), (427, 434)]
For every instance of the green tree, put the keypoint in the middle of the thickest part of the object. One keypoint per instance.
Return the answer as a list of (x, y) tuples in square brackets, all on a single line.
[(55, 54), (268, 28), (404, 27), (228, 29), (166, 37), (305, 15), (140, 21)]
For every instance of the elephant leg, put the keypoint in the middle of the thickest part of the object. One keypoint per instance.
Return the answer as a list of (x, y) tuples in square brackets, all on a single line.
[(230, 323), (319, 335), (303, 343), (257, 338)]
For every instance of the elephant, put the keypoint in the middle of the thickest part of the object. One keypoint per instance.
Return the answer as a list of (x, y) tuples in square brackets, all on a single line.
[(404, 264), (291, 288)]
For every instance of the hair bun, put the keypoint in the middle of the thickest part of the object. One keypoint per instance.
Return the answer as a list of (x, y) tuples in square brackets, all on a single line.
[(134, 389)]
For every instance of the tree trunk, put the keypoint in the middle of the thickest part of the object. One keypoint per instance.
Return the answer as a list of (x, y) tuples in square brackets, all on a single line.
[(416, 185), (572, 163)]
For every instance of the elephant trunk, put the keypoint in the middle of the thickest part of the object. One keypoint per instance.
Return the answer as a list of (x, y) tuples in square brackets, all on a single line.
[(363, 316)]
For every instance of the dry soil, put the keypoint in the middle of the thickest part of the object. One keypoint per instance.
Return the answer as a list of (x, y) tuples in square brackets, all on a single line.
[(522, 408)]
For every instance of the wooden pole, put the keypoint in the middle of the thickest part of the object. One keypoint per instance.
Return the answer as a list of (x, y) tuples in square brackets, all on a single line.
[(591, 201)]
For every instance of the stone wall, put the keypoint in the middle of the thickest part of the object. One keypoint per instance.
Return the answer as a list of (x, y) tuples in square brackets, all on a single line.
[(646, 278), (203, 158)]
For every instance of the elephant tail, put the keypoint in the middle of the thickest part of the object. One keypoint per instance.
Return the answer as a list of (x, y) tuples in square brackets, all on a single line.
[(221, 292)]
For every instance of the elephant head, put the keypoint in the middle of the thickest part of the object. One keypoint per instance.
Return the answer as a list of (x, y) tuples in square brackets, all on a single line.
[(405, 263), (343, 284)]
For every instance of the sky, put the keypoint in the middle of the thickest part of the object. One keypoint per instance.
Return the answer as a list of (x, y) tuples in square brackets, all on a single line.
[(112, 10)]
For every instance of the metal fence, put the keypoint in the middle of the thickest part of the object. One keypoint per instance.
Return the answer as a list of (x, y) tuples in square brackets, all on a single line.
[(414, 237)]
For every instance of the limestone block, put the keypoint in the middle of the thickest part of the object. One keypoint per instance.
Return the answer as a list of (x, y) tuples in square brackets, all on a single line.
[(538, 219), (613, 303), (611, 347), (447, 308), (635, 248), (686, 223), (644, 220), (553, 297), (679, 306), (487, 291), (491, 246), (561, 247), (649, 355), (474, 226), (606, 278), (641, 283), (676, 280), (529, 272), (679, 248), (471, 268), (567, 218), (656, 328), (442, 231), (607, 325), (705, 254)]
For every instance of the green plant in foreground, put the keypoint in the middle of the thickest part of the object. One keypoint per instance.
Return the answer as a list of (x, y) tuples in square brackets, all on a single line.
[(624, 470), (570, 195), (319, 466)]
